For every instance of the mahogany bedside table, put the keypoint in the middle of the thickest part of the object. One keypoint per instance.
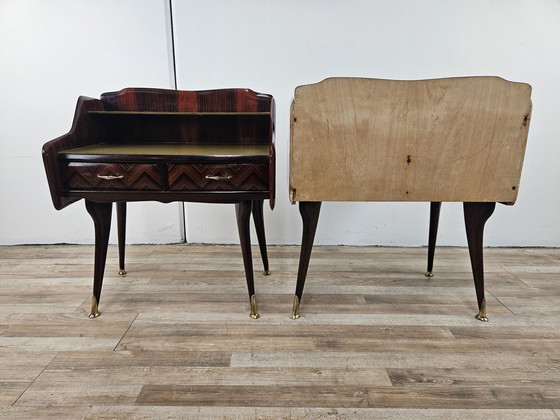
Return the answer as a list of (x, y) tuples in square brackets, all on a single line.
[(138, 144), (456, 139)]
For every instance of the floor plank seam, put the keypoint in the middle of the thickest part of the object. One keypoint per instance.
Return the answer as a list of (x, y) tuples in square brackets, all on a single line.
[(127, 330), (15, 403), (193, 352)]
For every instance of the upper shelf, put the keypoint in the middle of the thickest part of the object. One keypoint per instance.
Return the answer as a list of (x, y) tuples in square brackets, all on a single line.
[(178, 113), (168, 152), (163, 149)]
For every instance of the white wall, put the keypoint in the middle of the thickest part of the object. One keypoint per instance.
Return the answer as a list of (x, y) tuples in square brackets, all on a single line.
[(273, 46), (52, 52)]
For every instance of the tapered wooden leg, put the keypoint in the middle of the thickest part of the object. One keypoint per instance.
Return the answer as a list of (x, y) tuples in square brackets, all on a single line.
[(435, 208), (243, 213), (309, 211), (257, 210), (101, 215), (121, 229), (476, 215)]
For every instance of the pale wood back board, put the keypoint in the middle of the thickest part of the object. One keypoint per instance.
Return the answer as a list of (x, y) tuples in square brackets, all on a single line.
[(454, 139)]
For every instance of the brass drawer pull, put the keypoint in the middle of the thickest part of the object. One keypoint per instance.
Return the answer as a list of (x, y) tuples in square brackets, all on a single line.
[(218, 177), (109, 177)]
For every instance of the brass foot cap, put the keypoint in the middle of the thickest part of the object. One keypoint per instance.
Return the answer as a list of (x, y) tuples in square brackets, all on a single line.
[(481, 318), (266, 273), (295, 308), (122, 272), (254, 310), (429, 274), (94, 308)]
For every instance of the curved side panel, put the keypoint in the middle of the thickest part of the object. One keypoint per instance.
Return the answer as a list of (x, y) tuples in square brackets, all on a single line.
[(82, 132)]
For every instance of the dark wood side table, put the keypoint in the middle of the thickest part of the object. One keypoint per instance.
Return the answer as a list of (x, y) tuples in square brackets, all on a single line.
[(138, 144), (455, 139)]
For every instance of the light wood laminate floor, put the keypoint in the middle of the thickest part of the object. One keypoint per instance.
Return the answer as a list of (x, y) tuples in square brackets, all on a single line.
[(376, 340)]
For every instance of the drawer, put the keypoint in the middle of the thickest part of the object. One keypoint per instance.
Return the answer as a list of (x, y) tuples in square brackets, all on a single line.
[(218, 177), (112, 176)]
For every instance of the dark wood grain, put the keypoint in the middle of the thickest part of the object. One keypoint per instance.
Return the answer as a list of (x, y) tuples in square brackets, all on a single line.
[(435, 208), (83, 132), (128, 177), (101, 215), (195, 177), (476, 215), (133, 116), (141, 144), (249, 129)]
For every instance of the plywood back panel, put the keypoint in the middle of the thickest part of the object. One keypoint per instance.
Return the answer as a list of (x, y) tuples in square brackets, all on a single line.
[(454, 139)]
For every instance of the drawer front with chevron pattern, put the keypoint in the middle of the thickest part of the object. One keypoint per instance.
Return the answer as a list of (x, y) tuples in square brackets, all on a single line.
[(113, 176), (212, 177)]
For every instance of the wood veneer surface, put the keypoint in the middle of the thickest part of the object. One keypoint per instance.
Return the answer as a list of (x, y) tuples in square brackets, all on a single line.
[(454, 139), (170, 149), (378, 340)]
